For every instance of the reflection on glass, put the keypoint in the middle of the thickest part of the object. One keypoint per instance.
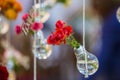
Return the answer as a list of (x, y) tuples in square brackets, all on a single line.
[(4, 25), (40, 48), (92, 62)]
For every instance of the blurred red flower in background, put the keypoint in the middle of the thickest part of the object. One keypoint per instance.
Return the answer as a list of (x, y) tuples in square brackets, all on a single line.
[(3, 73), (18, 29)]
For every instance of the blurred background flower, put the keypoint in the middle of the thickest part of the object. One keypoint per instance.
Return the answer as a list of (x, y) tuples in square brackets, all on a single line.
[(10, 8)]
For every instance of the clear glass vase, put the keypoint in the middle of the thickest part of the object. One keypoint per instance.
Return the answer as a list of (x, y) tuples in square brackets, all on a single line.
[(118, 14), (4, 25), (92, 61), (39, 47)]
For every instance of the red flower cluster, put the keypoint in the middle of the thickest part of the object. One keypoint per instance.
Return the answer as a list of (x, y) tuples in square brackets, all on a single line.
[(62, 32), (3, 73)]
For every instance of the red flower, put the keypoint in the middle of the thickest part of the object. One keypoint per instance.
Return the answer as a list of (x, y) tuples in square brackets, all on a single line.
[(68, 30), (56, 38), (59, 36), (25, 16), (36, 26), (60, 24), (18, 29), (3, 73), (51, 39)]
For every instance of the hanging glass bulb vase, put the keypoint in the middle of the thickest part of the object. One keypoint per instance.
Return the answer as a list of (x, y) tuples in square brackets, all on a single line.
[(92, 61), (87, 63), (4, 25), (40, 48)]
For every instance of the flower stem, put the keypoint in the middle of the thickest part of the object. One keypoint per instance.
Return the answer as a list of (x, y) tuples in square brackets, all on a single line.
[(73, 42)]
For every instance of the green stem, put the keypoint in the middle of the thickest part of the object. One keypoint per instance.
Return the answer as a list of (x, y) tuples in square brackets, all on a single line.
[(73, 42)]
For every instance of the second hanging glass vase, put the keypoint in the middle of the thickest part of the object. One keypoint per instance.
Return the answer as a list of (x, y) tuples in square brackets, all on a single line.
[(39, 47), (92, 61)]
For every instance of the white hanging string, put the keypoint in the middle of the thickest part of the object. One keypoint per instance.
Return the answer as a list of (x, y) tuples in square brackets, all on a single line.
[(86, 66), (35, 67), (35, 59)]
